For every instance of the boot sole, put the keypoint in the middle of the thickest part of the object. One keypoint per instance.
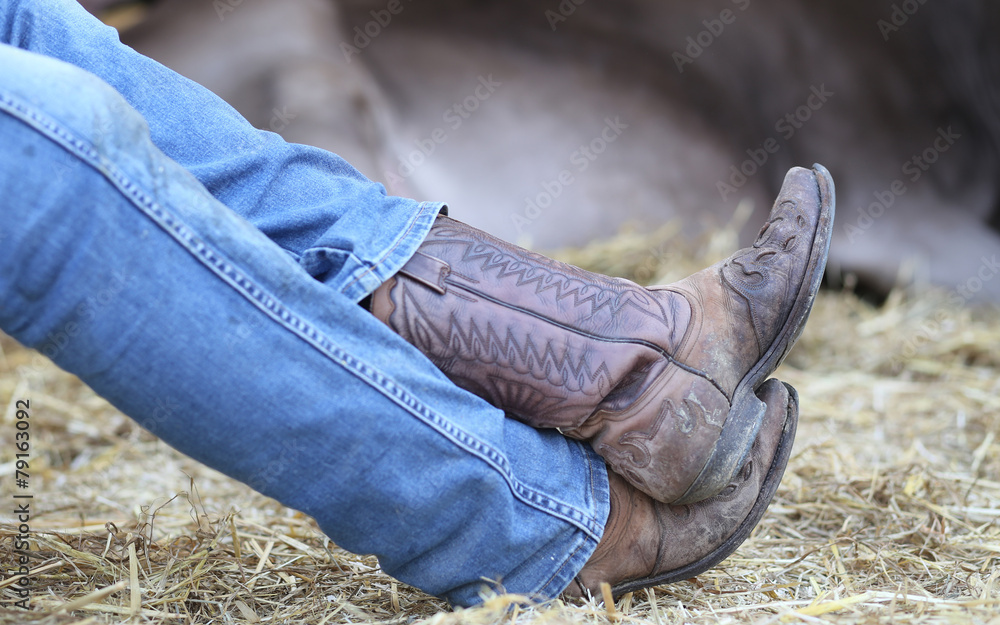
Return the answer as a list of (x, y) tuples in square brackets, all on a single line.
[(767, 490), (740, 429)]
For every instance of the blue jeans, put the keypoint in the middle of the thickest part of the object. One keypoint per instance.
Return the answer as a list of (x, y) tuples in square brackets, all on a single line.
[(204, 275)]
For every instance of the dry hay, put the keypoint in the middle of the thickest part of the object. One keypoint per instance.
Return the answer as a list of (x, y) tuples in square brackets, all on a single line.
[(888, 511)]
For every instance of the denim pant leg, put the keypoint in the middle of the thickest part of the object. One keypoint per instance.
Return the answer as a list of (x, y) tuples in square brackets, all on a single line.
[(117, 263), (339, 225)]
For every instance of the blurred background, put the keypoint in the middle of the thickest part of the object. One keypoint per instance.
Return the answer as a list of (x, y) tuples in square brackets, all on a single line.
[(555, 123)]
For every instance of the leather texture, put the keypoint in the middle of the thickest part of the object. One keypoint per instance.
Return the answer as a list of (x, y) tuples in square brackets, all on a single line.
[(659, 380), (648, 543)]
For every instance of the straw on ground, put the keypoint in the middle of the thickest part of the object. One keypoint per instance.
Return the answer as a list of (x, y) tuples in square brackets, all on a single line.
[(889, 510)]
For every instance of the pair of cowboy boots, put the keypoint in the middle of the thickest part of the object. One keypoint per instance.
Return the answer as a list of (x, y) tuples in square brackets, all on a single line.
[(667, 383)]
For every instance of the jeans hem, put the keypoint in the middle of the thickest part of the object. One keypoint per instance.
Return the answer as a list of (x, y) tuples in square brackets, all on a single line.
[(366, 278)]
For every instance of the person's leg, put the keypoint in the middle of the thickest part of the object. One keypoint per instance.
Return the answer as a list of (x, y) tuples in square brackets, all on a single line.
[(345, 232), (342, 227), (117, 264)]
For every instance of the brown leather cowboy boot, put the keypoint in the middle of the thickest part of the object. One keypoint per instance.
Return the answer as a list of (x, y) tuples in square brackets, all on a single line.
[(648, 543), (659, 380)]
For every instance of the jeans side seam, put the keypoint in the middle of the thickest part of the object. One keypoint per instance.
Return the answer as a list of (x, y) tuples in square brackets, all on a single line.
[(546, 588), (216, 262)]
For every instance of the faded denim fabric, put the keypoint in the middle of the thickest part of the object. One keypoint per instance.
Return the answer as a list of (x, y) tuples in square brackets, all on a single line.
[(203, 275)]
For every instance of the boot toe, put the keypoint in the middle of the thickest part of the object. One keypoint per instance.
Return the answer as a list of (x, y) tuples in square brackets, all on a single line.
[(680, 542), (765, 294), (776, 279), (708, 532)]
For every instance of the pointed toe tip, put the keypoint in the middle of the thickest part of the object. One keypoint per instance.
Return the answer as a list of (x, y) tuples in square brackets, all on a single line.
[(826, 187), (772, 392), (821, 171)]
